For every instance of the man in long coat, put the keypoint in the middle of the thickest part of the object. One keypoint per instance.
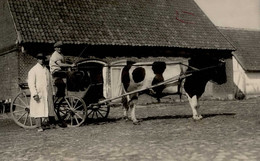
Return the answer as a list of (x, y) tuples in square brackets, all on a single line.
[(40, 84)]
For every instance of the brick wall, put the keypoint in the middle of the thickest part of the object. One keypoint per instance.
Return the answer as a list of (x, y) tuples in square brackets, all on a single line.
[(26, 62), (8, 75), (15, 67), (8, 54)]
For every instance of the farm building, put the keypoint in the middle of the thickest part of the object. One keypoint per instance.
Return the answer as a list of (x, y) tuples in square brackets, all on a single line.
[(246, 61), (105, 33)]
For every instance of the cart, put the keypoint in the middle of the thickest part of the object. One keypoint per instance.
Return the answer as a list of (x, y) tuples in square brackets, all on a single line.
[(80, 107)]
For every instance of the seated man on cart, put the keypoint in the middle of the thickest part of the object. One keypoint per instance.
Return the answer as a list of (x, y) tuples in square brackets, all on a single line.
[(57, 64)]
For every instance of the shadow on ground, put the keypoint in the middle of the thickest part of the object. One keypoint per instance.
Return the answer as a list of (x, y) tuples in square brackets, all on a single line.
[(114, 120), (185, 116)]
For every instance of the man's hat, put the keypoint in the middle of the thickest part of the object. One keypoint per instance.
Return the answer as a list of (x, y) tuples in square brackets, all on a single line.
[(58, 44), (40, 56)]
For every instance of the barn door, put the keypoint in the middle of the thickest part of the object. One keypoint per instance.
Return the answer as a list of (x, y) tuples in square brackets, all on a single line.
[(116, 85)]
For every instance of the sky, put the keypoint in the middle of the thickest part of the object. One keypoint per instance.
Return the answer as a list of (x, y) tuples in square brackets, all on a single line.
[(232, 13)]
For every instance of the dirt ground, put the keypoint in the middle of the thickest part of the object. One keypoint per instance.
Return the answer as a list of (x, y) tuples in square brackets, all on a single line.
[(229, 131)]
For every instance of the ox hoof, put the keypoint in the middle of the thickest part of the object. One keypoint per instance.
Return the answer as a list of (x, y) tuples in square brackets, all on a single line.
[(125, 118), (197, 117), (136, 122)]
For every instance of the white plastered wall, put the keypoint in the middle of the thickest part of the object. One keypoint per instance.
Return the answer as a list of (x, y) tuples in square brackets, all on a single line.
[(247, 82)]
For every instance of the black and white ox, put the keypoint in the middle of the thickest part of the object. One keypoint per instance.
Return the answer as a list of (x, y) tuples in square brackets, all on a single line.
[(136, 77)]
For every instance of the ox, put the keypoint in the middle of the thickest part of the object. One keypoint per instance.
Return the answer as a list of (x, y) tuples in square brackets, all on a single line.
[(202, 70)]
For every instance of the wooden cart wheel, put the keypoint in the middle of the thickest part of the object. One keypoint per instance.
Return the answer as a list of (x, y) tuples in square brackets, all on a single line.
[(98, 111), (72, 110), (20, 111)]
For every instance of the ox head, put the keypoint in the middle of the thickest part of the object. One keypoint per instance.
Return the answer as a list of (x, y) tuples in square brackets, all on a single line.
[(210, 69), (218, 73)]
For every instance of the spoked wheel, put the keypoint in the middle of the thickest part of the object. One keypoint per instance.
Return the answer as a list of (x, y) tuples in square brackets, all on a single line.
[(20, 111), (72, 110), (98, 111)]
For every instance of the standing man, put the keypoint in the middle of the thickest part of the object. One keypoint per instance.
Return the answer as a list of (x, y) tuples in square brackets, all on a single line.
[(57, 62), (40, 85)]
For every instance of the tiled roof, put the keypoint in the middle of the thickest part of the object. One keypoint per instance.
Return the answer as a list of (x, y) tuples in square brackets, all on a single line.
[(247, 43), (166, 23)]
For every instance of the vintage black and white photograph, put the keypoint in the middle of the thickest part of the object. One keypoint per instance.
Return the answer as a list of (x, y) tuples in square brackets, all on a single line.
[(129, 80)]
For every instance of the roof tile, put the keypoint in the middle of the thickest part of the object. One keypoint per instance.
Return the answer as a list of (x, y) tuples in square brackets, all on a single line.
[(247, 43), (175, 23)]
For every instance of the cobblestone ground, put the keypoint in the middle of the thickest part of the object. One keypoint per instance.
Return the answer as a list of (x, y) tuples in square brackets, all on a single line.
[(229, 131)]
